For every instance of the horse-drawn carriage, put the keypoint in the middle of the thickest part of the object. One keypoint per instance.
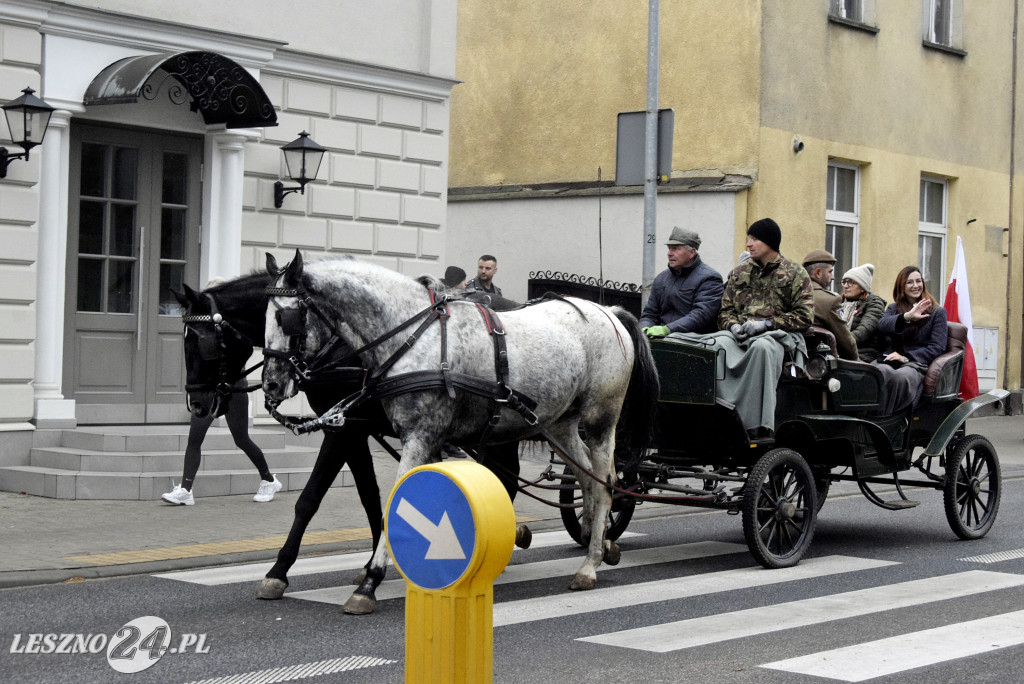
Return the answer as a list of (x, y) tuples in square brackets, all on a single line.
[(828, 429), (582, 377)]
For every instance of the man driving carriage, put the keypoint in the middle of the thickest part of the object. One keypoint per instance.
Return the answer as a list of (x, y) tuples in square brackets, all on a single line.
[(685, 297)]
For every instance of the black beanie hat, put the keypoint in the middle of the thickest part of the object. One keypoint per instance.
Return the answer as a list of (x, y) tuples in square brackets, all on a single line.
[(767, 231)]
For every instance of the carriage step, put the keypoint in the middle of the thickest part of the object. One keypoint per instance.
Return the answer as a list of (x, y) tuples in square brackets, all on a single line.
[(899, 504)]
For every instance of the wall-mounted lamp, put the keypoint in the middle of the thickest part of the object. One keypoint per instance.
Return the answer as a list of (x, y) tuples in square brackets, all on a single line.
[(27, 119), (798, 145), (302, 157)]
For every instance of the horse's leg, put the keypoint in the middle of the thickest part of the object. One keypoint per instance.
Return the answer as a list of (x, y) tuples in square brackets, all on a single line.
[(360, 462), (596, 497), (328, 463), (503, 461), (416, 450)]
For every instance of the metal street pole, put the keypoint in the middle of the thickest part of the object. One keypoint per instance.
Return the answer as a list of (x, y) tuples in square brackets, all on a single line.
[(651, 151)]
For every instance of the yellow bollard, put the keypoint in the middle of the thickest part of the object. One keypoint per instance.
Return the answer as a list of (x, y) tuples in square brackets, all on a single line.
[(450, 529)]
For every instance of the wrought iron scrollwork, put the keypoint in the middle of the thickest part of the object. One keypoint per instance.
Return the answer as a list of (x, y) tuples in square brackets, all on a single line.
[(585, 280), (218, 88)]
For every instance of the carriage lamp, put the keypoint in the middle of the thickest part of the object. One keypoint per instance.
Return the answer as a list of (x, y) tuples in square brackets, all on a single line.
[(27, 119), (302, 156)]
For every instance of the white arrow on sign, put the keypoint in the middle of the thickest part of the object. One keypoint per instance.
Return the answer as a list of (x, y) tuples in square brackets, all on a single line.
[(444, 544)]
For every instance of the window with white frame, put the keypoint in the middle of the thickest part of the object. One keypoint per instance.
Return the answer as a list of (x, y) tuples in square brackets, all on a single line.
[(842, 214), (943, 22), (857, 11), (931, 233)]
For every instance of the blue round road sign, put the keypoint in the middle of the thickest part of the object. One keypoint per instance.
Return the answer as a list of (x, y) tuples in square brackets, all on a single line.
[(430, 530)]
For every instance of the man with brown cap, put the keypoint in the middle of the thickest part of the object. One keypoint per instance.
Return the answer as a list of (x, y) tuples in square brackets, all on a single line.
[(687, 295), (820, 266)]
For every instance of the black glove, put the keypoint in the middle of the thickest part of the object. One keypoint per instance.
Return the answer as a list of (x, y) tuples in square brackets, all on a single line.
[(757, 326), (737, 331)]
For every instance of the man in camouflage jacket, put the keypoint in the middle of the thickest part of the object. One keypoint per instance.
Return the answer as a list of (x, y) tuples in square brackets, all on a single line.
[(768, 291), (764, 294)]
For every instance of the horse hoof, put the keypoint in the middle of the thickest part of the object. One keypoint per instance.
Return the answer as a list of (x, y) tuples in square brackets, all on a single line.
[(358, 604), (358, 579), (612, 553), (582, 583), (524, 537), (271, 588)]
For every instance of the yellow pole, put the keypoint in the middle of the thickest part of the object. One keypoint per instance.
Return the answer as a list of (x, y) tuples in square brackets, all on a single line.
[(449, 630)]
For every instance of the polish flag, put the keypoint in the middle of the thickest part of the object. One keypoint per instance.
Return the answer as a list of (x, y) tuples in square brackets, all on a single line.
[(958, 308)]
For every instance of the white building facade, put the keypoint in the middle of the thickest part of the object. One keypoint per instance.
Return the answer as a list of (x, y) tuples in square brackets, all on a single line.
[(158, 168)]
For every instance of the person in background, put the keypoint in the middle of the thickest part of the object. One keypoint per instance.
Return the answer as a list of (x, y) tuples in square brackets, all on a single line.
[(687, 296), (916, 330), (862, 309), (820, 266), (486, 267), (454, 278), (237, 417)]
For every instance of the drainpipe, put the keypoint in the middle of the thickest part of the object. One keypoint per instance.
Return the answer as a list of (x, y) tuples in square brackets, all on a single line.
[(1009, 237)]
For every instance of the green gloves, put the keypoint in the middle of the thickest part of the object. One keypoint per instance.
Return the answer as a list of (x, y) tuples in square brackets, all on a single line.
[(656, 331)]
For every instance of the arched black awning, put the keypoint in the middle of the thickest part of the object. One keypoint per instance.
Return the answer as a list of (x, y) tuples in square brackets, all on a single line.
[(218, 88)]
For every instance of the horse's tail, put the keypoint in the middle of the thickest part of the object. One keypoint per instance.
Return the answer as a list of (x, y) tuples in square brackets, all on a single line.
[(635, 430)]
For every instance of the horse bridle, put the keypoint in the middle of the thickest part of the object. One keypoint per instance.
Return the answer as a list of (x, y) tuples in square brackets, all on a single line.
[(293, 325), (214, 348)]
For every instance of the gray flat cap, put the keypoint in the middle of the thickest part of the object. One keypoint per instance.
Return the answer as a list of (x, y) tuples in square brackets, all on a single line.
[(681, 236)]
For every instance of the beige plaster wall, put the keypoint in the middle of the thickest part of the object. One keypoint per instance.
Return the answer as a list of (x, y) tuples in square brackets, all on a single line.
[(792, 189), (544, 82)]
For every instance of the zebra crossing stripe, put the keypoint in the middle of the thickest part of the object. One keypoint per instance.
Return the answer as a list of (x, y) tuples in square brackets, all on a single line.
[(575, 603), (527, 572), (908, 651), (303, 671), (996, 557), (253, 572), (675, 636)]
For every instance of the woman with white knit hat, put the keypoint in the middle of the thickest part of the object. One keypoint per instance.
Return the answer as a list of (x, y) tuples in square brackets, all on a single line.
[(862, 310)]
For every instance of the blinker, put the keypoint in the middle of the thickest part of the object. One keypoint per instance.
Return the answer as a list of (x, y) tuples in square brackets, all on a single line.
[(209, 347), (292, 322)]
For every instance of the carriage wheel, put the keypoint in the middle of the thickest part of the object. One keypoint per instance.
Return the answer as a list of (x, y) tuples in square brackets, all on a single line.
[(621, 513), (779, 508), (972, 487)]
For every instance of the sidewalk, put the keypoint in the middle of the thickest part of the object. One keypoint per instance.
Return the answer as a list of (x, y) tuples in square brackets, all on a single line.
[(55, 540)]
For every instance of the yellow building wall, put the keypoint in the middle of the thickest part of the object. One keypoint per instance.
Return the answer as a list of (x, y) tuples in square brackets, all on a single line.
[(791, 188), (543, 83)]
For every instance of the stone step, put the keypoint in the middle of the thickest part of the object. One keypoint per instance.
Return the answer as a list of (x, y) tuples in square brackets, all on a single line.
[(74, 459), (56, 483), (143, 438)]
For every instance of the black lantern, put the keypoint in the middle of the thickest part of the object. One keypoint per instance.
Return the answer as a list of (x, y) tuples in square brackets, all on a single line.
[(27, 119), (302, 157)]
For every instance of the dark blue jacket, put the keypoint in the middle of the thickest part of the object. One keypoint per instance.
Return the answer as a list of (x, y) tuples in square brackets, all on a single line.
[(685, 300), (922, 342)]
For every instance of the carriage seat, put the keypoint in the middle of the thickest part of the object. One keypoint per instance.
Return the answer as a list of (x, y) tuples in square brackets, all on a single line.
[(815, 334), (942, 380)]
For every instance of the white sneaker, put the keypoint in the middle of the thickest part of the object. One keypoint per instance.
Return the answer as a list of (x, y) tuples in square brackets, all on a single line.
[(179, 496), (267, 490)]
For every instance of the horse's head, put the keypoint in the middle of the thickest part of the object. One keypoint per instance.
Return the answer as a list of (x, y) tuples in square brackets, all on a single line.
[(215, 354), (293, 337)]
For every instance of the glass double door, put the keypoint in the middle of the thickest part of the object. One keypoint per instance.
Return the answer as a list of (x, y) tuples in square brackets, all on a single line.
[(133, 236)]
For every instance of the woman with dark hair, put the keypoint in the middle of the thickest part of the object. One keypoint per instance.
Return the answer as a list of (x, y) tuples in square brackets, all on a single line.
[(915, 328)]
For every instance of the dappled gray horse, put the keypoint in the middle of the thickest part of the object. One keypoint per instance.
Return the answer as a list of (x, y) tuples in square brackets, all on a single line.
[(439, 368)]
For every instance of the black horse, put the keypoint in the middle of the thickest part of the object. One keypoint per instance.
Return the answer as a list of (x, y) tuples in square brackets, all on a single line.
[(215, 354), (222, 326)]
